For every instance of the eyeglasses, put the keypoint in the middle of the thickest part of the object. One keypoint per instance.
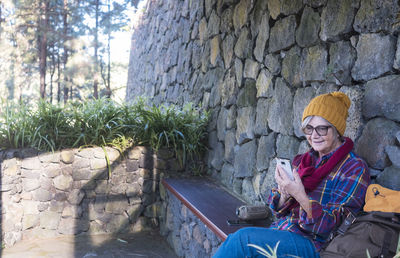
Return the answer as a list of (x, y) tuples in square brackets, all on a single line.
[(322, 130)]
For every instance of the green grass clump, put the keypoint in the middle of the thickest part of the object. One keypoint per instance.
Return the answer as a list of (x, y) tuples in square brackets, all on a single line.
[(104, 123)]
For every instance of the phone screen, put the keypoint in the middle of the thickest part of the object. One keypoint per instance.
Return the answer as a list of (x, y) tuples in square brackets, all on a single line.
[(285, 164)]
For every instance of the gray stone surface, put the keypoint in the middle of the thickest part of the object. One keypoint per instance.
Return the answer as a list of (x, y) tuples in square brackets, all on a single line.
[(371, 145), (382, 98), (337, 18), (307, 32), (245, 124), (243, 44), (315, 64), (264, 83), (342, 57), (356, 45), (394, 155), (227, 50), (291, 66), (245, 160), (230, 144), (247, 95), (287, 146), (301, 99), (261, 126), (375, 56), (282, 34), (262, 37), (280, 113), (272, 63), (376, 16), (387, 179), (265, 151), (355, 121)]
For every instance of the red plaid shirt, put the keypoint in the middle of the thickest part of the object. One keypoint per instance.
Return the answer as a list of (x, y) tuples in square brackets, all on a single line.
[(343, 188)]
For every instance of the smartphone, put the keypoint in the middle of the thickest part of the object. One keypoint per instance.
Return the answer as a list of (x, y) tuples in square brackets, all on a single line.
[(238, 222), (287, 167)]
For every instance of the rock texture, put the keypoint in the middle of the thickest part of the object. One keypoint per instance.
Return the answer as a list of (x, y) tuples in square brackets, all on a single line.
[(256, 64), (73, 192)]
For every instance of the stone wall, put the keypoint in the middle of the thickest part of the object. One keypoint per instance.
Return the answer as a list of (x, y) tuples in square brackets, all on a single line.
[(255, 64), (73, 192), (186, 233)]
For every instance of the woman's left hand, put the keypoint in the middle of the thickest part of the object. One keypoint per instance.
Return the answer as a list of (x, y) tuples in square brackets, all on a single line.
[(294, 188)]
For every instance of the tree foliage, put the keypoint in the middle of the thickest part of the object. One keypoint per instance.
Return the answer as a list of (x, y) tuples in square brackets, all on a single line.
[(55, 50)]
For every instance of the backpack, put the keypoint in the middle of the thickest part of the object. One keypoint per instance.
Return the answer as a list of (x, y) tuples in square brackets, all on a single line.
[(374, 233)]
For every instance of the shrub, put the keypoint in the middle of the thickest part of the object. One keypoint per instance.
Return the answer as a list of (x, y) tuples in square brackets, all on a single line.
[(104, 123)]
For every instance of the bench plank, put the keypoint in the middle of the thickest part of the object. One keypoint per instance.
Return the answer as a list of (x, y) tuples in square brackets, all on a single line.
[(208, 201)]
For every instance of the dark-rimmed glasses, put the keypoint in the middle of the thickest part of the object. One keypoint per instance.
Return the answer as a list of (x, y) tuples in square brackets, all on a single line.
[(322, 130)]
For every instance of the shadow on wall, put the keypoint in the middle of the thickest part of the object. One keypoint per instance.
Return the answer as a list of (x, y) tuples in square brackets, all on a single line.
[(75, 193), (97, 217)]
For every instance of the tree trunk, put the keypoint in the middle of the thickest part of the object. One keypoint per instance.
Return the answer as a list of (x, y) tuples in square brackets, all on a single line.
[(58, 79), (65, 54), (43, 27), (96, 58)]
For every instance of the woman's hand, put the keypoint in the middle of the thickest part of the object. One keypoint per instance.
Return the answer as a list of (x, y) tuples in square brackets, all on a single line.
[(293, 188)]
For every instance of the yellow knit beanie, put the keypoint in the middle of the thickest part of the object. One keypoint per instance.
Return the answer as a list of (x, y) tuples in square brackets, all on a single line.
[(331, 106)]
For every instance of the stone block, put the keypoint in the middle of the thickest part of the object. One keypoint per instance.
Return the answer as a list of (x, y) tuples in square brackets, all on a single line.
[(230, 143), (261, 126), (30, 184), (381, 98), (31, 163), (30, 221), (49, 219), (375, 56), (98, 164), (389, 178), (116, 204), (280, 116), (265, 151), (394, 155), (371, 140), (81, 163), (264, 84), (315, 61), (42, 195), (63, 182), (245, 160), (10, 167), (67, 156), (76, 196), (135, 153), (240, 14), (30, 174), (245, 124), (52, 170), (307, 32), (262, 37), (282, 34), (291, 66), (373, 16), (242, 47), (272, 63), (337, 18)]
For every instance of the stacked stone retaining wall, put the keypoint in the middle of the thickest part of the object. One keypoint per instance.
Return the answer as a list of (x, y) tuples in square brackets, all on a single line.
[(255, 64), (186, 233), (75, 191)]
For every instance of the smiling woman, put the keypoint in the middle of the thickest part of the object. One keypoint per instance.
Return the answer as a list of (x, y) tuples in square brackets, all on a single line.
[(329, 182)]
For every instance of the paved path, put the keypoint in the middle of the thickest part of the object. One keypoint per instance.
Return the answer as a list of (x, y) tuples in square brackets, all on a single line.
[(138, 245)]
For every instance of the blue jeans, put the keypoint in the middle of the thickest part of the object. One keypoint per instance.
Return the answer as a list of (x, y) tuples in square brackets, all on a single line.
[(290, 244)]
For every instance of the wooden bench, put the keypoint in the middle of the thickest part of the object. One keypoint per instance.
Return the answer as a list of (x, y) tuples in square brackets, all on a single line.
[(209, 202)]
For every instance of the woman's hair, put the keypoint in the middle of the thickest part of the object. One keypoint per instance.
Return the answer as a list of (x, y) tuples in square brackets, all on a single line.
[(307, 120)]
